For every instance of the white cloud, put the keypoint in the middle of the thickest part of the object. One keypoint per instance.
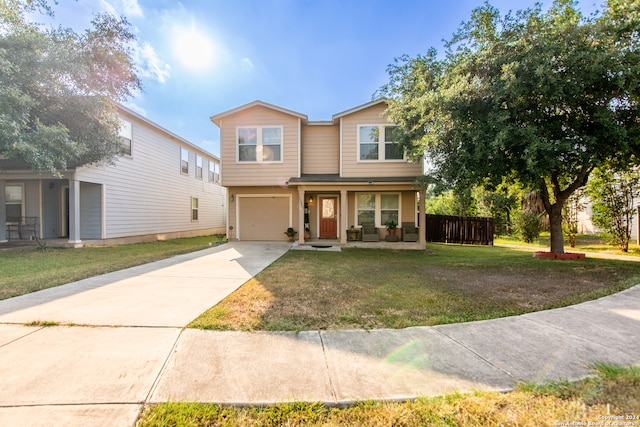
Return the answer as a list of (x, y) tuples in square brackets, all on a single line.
[(128, 8), (133, 106), (132, 8), (149, 64), (246, 65)]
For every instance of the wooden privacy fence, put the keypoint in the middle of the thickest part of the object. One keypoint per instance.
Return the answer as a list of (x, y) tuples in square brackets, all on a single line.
[(460, 229)]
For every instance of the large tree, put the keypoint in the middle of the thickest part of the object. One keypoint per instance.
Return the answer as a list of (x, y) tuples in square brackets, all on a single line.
[(57, 88), (536, 97)]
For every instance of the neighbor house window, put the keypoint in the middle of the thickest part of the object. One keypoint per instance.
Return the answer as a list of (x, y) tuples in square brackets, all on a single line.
[(125, 136), (198, 167), (260, 144), (214, 171), (184, 161), (378, 208), (14, 201), (378, 142), (194, 209)]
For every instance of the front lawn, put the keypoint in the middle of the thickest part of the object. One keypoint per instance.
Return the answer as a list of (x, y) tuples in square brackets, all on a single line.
[(24, 271), (370, 288), (584, 242)]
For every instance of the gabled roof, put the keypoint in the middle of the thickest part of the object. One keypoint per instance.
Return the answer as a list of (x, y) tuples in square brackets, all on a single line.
[(337, 116), (170, 134), (216, 119)]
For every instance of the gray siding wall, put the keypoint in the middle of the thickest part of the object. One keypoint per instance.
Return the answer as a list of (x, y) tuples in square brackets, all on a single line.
[(51, 211), (90, 211), (147, 194)]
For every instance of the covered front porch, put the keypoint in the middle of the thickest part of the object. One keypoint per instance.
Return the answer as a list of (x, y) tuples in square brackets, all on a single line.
[(49, 208), (356, 212)]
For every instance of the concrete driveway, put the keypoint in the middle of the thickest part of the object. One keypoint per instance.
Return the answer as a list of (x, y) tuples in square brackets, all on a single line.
[(118, 330)]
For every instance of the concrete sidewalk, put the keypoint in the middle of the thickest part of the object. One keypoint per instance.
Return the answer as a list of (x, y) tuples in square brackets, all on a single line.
[(102, 375)]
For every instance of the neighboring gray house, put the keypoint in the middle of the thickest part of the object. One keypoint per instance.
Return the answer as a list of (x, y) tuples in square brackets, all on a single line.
[(161, 186)]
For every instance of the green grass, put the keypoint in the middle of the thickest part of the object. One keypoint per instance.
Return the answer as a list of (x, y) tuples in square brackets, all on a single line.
[(25, 271), (612, 390), (369, 288), (584, 242)]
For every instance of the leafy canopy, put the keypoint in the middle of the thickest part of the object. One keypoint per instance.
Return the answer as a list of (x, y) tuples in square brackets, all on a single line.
[(538, 98), (57, 88)]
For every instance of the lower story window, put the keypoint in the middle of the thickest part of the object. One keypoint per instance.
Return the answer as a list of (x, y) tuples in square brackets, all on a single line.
[(377, 208), (366, 208), (389, 208), (14, 196), (194, 209)]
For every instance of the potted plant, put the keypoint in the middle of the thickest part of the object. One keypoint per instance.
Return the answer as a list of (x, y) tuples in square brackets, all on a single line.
[(307, 233), (391, 227), (291, 233)]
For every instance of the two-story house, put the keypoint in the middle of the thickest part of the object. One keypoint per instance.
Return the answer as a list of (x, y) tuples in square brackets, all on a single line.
[(330, 177), (160, 186)]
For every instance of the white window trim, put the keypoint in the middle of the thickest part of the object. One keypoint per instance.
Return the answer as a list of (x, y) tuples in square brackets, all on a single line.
[(213, 173), (184, 150), (378, 208), (199, 167), (259, 145), (125, 133), (22, 202), (381, 145), (197, 209)]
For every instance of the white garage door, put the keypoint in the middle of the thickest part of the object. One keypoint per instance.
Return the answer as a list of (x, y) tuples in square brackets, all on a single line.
[(263, 218)]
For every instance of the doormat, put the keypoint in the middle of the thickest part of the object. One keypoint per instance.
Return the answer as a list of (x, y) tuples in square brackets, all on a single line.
[(321, 246)]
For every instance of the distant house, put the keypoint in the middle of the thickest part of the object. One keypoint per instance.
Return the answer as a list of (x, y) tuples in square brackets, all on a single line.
[(331, 177), (160, 186)]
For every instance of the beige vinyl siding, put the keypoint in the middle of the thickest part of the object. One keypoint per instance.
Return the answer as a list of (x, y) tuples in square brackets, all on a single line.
[(267, 173), (320, 149), (409, 207), (147, 194), (351, 166)]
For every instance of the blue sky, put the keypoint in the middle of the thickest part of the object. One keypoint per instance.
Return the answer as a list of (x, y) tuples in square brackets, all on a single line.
[(198, 58)]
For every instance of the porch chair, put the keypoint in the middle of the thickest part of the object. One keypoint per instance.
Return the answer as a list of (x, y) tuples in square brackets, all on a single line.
[(369, 232), (410, 232)]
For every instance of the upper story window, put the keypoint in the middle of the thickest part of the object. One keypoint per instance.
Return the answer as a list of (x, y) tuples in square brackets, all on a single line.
[(198, 167), (125, 136), (184, 161), (214, 171), (260, 144), (378, 142)]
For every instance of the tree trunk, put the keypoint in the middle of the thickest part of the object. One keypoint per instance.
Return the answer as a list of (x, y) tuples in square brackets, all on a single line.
[(555, 227)]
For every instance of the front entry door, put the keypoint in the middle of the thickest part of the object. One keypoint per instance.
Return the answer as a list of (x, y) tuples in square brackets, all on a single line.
[(328, 217)]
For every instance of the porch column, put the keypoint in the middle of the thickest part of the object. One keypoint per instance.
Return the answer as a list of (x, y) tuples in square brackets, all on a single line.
[(423, 218), (344, 216), (3, 213), (301, 215), (74, 211)]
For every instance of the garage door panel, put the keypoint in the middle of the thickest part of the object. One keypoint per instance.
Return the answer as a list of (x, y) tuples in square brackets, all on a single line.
[(263, 218)]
